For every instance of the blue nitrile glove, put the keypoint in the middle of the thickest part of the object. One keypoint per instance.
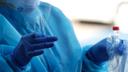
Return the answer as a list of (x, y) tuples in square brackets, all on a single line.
[(121, 48), (29, 46), (99, 54)]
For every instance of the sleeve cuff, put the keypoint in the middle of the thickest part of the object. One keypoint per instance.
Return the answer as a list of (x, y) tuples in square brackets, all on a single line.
[(26, 68)]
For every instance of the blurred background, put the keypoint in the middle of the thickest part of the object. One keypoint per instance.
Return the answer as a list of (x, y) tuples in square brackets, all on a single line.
[(92, 19)]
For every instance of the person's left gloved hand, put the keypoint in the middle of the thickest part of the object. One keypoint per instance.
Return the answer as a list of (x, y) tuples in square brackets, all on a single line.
[(99, 54), (29, 46)]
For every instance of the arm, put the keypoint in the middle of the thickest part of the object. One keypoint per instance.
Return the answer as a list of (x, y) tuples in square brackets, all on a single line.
[(8, 33), (95, 57), (9, 38), (24, 48)]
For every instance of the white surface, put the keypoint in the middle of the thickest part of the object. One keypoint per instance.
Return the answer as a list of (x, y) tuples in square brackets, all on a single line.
[(101, 10), (121, 17), (91, 33), (87, 9)]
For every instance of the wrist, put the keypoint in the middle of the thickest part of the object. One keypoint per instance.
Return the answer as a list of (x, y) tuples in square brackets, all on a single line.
[(94, 58), (15, 61)]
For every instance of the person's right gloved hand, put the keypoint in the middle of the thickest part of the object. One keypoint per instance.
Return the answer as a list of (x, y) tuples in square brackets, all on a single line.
[(99, 53), (29, 46)]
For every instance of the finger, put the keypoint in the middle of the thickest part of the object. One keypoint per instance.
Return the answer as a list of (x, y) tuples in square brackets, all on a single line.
[(41, 46), (45, 39), (121, 48), (31, 35), (39, 35), (35, 53)]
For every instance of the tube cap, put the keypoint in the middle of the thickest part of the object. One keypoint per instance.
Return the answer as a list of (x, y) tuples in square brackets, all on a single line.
[(115, 28)]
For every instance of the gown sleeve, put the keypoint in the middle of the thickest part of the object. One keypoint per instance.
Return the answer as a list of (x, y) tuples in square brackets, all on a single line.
[(9, 38)]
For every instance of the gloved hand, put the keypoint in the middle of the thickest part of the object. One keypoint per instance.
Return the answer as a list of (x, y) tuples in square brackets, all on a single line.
[(99, 54), (29, 46)]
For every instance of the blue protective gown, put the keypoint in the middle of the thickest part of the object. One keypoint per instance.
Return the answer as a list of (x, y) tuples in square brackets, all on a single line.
[(65, 56)]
